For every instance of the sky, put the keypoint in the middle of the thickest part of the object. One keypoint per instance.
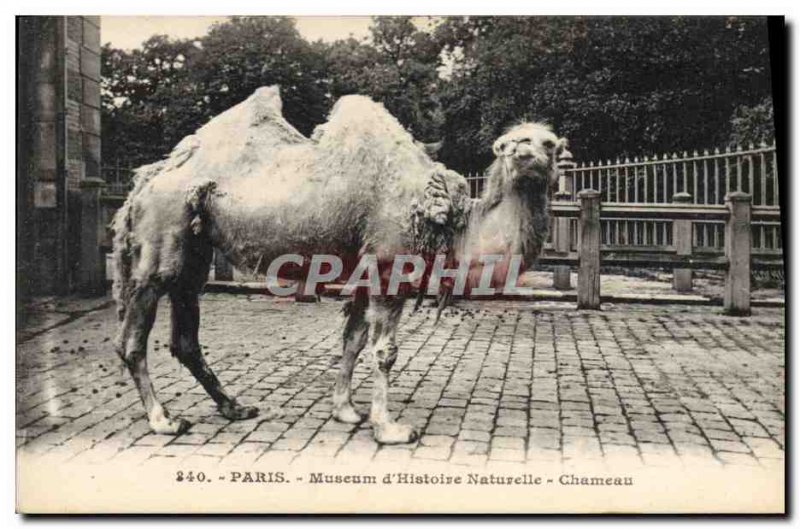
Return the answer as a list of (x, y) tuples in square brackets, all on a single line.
[(130, 32)]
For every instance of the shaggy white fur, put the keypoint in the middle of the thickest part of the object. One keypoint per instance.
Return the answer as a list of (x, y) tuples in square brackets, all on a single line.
[(250, 185)]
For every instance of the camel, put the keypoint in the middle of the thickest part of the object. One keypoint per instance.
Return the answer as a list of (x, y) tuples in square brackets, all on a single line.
[(251, 186), (509, 222)]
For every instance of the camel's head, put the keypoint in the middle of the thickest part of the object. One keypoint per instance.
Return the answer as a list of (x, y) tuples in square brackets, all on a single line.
[(530, 150)]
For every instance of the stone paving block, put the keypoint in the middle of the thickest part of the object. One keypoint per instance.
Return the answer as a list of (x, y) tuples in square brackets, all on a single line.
[(475, 435), (245, 453), (764, 448), (509, 431), (442, 428), (547, 438), (436, 440), (357, 450), (176, 450), (293, 443), (621, 454), (748, 428), (393, 454), (468, 460), (439, 453), (470, 448), (736, 458), (134, 455), (543, 454), (276, 457), (511, 443), (216, 450), (507, 454), (730, 446), (189, 439)]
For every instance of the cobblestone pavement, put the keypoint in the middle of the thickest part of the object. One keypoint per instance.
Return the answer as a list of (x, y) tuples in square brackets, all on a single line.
[(493, 381)]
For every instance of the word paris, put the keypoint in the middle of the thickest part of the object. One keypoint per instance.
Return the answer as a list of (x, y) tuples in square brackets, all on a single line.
[(479, 276)]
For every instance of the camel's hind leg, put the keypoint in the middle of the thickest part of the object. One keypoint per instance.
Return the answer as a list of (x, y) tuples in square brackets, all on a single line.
[(185, 346), (356, 331), (137, 322), (384, 317)]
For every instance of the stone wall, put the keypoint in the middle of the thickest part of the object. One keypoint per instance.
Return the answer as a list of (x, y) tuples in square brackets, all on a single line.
[(58, 148)]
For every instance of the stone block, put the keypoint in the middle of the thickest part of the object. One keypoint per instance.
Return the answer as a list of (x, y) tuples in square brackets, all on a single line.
[(91, 93), (91, 154), (44, 149), (74, 145), (90, 119), (75, 28), (90, 64), (45, 105), (91, 35), (74, 85), (45, 195)]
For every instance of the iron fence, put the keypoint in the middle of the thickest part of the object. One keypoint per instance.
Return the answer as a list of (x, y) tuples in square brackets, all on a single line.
[(119, 180)]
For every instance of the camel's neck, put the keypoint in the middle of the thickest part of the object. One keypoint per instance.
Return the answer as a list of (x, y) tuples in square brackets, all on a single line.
[(512, 218)]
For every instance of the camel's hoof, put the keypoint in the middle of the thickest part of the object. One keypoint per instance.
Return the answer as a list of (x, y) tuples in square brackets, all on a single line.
[(235, 412), (394, 433), (171, 426), (348, 414)]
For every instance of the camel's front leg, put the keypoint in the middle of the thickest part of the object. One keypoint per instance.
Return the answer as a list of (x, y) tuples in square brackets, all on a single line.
[(384, 316), (356, 331)]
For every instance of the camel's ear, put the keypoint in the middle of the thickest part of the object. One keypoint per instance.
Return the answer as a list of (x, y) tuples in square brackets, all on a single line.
[(499, 146), (561, 146)]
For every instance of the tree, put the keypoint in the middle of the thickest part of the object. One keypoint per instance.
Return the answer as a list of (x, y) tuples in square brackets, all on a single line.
[(398, 67), (753, 125), (246, 53), (145, 110), (614, 86), (165, 90)]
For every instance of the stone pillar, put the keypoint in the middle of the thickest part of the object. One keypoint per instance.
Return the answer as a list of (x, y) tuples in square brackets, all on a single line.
[(589, 250), (565, 163), (59, 148), (561, 232), (737, 250), (42, 201), (682, 240), (561, 245)]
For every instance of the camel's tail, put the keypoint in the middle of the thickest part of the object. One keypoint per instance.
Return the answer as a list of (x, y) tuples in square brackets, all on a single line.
[(123, 228)]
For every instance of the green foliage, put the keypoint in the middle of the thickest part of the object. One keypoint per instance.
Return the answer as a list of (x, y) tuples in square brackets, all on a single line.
[(753, 125), (245, 53), (398, 68), (156, 95), (613, 86), (144, 96)]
